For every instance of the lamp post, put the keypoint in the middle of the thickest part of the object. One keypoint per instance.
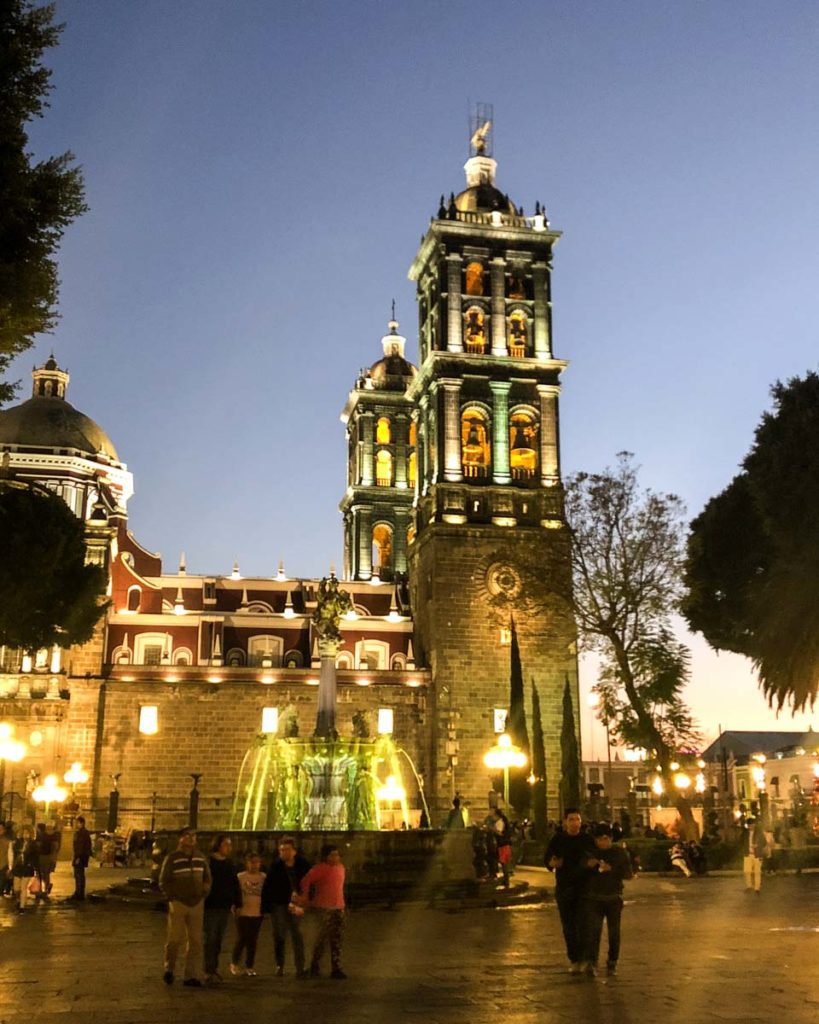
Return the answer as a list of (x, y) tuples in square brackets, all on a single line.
[(49, 792), (504, 754), (11, 750)]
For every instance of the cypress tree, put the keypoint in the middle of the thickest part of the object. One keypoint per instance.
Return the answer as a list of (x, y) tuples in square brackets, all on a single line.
[(569, 755), (540, 810), (519, 795)]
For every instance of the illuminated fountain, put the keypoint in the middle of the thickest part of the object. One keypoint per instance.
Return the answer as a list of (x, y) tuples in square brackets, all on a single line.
[(323, 782)]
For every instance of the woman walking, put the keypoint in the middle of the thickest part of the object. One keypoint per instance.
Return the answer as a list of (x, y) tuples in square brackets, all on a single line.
[(24, 864)]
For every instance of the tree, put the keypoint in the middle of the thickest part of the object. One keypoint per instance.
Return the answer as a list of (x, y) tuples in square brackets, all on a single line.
[(569, 755), (48, 595), (38, 200), (519, 794), (752, 571), (540, 808), (627, 558)]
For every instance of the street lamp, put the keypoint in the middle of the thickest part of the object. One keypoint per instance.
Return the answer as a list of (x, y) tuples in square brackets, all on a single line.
[(505, 755), (76, 776), (11, 750), (49, 792)]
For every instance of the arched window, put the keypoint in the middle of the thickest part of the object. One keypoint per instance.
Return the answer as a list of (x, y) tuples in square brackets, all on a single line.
[(383, 432), (182, 656), (134, 598), (235, 658), (152, 648), (398, 662), (264, 649), (412, 462), (474, 278), (476, 457), (344, 659), (413, 434), (382, 549), (518, 334), (293, 659), (383, 469), (523, 446), (475, 330), (372, 654)]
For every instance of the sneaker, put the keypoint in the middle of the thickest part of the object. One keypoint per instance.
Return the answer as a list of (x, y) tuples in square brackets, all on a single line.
[(250, 972), (237, 971), (167, 977), (280, 971), (611, 968), (338, 975), (590, 970), (192, 983)]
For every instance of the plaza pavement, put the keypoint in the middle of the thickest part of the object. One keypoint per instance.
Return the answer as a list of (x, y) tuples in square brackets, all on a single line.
[(693, 951)]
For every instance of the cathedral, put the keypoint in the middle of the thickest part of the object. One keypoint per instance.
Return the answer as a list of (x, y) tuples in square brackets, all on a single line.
[(454, 537)]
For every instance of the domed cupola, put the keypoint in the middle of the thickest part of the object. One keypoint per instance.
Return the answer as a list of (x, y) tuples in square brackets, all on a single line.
[(393, 372), (50, 441)]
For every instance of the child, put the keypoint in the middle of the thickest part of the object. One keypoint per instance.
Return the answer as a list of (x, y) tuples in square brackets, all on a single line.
[(603, 898), (248, 916), (323, 888)]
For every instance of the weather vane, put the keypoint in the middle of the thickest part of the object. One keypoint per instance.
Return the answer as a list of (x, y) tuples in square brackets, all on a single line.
[(481, 121)]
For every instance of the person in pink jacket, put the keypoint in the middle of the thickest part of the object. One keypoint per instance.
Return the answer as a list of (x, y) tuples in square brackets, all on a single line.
[(322, 888)]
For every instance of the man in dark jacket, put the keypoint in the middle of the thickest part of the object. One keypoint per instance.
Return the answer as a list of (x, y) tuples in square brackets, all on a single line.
[(283, 880), (80, 857), (225, 895), (566, 855), (606, 871)]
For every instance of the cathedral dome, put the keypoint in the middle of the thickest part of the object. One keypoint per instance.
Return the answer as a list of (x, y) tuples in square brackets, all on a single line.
[(393, 371), (481, 195), (47, 420)]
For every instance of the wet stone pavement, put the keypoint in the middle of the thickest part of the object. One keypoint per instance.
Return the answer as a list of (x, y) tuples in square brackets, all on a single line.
[(693, 951)]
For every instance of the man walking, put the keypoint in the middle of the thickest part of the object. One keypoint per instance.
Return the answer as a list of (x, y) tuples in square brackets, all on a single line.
[(81, 856), (283, 881), (185, 880), (566, 855), (602, 900)]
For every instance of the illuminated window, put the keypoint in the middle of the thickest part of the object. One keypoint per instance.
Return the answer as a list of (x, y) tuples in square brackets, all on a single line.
[(413, 434), (517, 334), (523, 446), (475, 454), (149, 720), (383, 469), (383, 433), (474, 330), (474, 279), (410, 533), (411, 468), (382, 549)]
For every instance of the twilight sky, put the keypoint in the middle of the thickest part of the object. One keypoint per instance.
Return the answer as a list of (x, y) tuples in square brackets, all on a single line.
[(259, 175)]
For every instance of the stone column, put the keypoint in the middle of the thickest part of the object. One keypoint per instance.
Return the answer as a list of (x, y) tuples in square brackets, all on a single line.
[(454, 334), (365, 433), (543, 341), (549, 435), (500, 431), (421, 449), (326, 715), (364, 517), (401, 429), (399, 541), (452, 430), (498, 280)]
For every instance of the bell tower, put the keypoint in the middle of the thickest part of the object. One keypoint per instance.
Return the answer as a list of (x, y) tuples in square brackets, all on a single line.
[(488, 537)]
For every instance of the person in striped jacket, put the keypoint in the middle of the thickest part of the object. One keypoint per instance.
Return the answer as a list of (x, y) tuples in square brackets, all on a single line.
[(185, 881)]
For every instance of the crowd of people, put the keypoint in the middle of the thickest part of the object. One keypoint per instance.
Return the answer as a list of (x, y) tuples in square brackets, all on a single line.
[(28, 859), (204, 893)]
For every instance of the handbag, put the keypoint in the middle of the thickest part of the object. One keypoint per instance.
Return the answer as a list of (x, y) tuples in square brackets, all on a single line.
[(34, 886)]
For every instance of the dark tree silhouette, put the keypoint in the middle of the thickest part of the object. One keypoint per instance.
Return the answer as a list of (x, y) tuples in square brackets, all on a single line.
[(540, 808), (519, 795), (569, 754), (752, 572), (37, 200), (48, 595)]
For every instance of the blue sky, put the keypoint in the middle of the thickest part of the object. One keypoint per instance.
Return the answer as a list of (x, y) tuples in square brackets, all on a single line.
[(259, 175)]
